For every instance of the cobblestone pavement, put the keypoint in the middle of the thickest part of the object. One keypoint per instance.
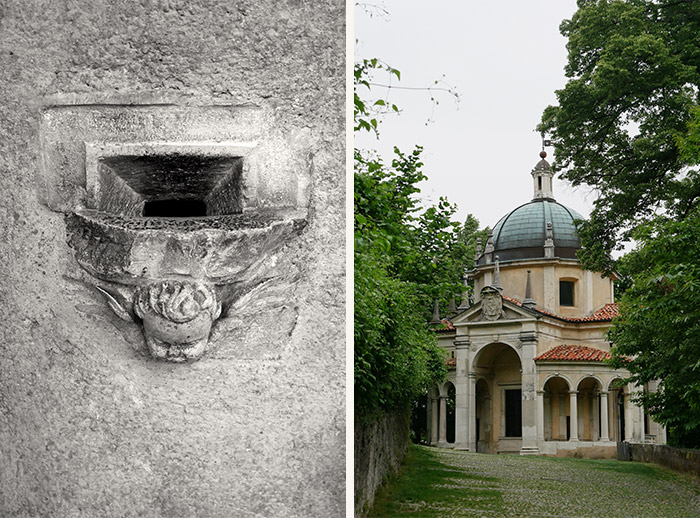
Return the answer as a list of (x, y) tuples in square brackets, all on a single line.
[(548, 487)]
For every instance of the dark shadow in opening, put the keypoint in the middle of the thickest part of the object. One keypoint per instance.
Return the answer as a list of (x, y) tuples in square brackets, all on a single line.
[(182, 208)]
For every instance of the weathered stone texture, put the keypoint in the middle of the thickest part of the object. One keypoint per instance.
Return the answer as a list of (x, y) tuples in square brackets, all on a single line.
[(380, 446), (89, 425)]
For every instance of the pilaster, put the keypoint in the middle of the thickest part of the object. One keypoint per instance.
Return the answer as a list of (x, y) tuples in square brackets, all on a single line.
[(528, 348), (463, 395)]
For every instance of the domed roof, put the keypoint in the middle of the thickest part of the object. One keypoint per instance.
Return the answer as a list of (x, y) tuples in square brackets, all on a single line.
[(522, 232)]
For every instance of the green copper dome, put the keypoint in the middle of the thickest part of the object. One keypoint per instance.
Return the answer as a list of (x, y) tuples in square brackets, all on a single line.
[(521, 233)]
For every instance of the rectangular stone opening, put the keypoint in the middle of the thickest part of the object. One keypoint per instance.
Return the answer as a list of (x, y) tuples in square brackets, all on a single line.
[(170, 186), (184, 208)]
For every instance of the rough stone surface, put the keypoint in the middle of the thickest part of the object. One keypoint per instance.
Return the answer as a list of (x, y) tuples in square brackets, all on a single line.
[(89, 424), (678, 459), (380, 446)]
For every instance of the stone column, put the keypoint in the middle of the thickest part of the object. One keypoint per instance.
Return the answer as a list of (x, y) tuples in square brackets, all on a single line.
[(630, 432), (540, 415), (472, 412), (528, 348), (604, 431), (442, 439), (464, 397), (550, 288), (573, 419), (433, 420)]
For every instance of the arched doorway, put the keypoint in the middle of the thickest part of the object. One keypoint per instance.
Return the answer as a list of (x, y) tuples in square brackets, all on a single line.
[(589, 413), (557, 416), (498, 366), (618, 404)]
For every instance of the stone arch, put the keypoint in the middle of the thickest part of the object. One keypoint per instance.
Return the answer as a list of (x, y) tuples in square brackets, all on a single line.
[(557, 412), (588, 401), (611, 384), (601, 384), (445, 387), (560, 376), (486, 350)]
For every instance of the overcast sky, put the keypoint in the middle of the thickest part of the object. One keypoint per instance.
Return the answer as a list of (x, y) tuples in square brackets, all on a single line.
[(505, 58)]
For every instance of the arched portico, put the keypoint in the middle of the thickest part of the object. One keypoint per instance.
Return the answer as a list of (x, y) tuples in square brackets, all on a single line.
[(557, 416), (497, 399), (588, 409), (443, 415), (618, 401)]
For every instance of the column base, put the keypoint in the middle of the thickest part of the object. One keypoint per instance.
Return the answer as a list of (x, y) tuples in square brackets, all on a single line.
[(445, 445), (530, 450), (461, 446)]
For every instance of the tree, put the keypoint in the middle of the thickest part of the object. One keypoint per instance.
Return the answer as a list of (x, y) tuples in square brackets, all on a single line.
[(628, 125), (634, 69), (405, 256), (659, 326)]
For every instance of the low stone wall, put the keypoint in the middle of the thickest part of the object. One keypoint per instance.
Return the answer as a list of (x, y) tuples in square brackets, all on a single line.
[(677, 459), (380, 447)]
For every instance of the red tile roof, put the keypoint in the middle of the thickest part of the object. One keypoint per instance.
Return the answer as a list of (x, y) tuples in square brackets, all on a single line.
[(446, 327), (604, 314), (451, 362), (574, 353)]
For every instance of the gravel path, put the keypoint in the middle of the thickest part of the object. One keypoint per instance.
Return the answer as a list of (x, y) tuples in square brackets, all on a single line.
[(565, 488)]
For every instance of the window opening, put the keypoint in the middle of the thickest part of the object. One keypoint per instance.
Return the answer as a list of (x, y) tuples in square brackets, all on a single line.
[(566, 293)]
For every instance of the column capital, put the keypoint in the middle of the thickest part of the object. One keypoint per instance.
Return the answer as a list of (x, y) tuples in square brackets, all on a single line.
[(604, 393), (573, 392), (471, 375), (540, 392), (462, 342), (528, 337)]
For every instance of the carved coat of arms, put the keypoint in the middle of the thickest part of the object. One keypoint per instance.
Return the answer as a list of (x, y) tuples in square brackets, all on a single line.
[(491, 304)]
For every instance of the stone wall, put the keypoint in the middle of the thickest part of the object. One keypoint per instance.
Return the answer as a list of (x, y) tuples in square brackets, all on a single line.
[(678, 459), (91, 424), (380, 447)]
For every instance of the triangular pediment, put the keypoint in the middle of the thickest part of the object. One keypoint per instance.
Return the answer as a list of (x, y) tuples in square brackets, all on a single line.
[(509, 311)]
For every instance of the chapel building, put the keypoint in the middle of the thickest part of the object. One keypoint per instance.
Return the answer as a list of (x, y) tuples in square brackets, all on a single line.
[(526, 359)]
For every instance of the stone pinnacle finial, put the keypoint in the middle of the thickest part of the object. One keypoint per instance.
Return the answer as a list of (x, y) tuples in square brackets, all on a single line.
[(477, 254), (452, 308), (464, 304), (488, 251), (529, 302), (549, 242), (497, 274), (436, 313)]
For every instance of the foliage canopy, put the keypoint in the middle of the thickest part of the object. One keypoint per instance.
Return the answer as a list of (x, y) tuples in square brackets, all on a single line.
[(405, 256), (628, 125)]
